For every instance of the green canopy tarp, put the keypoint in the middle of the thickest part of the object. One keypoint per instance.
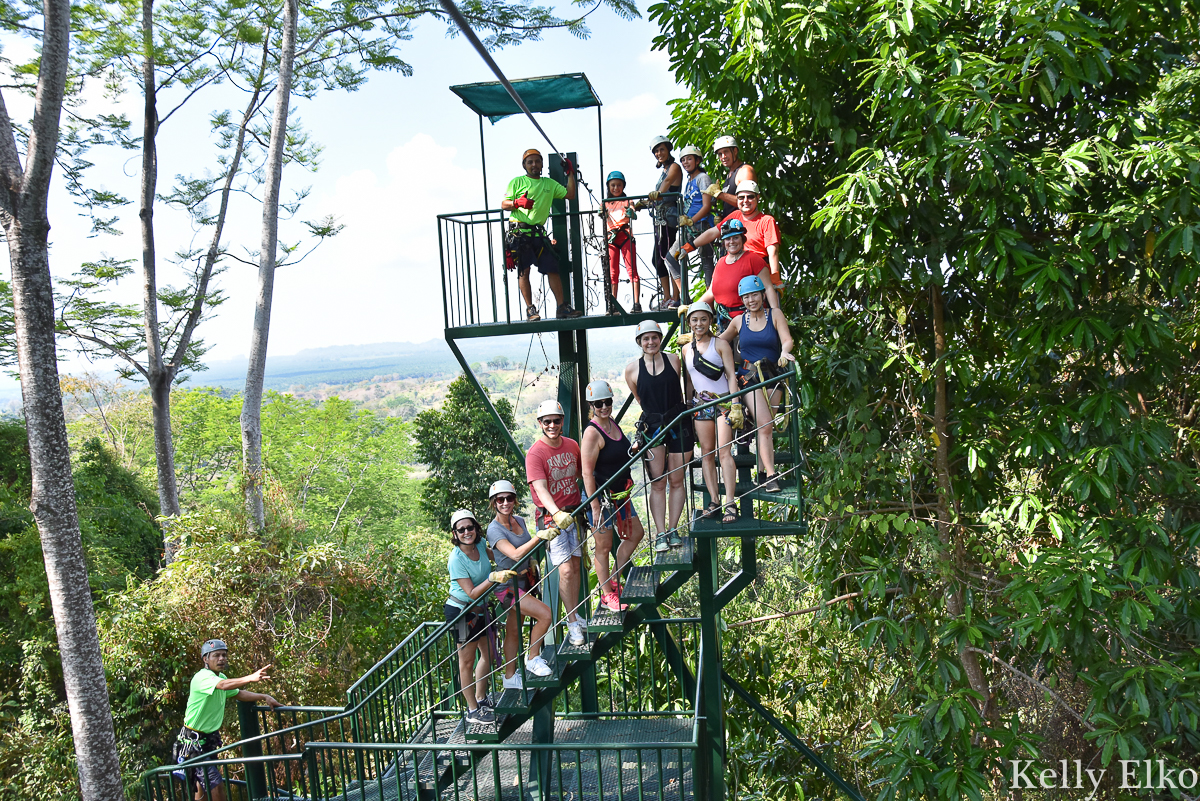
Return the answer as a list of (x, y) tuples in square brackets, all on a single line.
[(551, 93)]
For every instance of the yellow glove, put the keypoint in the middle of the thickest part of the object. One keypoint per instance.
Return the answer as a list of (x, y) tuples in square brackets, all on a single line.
[(502, 576), (685, 221), (563, 519), (784, 359), (547, 534), (713, 190), (684, 339), (682, 312), (737, 420), (654, 194)]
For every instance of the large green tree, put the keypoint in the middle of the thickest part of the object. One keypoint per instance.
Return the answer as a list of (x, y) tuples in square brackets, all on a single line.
[(990, 212), (465, 451)]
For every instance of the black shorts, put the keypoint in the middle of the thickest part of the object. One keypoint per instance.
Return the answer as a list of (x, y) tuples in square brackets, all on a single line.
[(473, 626), (533, 250)]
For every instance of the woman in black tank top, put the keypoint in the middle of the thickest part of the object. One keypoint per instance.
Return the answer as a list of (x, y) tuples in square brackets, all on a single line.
[(654, 380), (604, 454)]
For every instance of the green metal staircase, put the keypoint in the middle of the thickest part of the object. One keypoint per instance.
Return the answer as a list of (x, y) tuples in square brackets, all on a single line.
[(636, 712)]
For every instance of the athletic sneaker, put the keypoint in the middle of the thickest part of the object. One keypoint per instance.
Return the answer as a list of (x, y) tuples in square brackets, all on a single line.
[(481, 715), (635, 308), (662, 543), (674, 540), (575, 634), (514, 683), (565, 310), (611, 602), (531, 313), (617, 586), (538, 667), (770, 483)]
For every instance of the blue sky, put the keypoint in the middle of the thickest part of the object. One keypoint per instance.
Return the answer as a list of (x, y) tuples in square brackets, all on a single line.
[(397, 153)]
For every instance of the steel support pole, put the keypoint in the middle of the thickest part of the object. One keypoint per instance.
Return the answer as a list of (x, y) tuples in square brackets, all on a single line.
[(712, 738), (256, 775)]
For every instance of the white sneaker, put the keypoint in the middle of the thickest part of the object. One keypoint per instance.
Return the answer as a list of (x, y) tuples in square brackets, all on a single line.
[(515, 683), (575, 633), (537, 666)]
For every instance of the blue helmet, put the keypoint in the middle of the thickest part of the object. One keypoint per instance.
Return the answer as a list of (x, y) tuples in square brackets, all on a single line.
[(732, 228), (615, 175), (751, 283)]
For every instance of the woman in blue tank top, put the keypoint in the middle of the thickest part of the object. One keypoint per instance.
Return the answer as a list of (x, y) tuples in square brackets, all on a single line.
[(764, 338)]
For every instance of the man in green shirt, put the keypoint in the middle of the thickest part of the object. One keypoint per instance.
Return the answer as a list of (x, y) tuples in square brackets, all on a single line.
[(528, 198), (201, 732)]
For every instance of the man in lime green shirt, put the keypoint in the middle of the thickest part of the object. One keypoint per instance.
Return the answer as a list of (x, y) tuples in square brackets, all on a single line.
[(529, 198), (201, 732)]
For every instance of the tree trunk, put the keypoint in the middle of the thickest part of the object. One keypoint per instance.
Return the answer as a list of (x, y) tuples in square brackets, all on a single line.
[(23, 201), (252, 396), (947, 526), (159, 376)]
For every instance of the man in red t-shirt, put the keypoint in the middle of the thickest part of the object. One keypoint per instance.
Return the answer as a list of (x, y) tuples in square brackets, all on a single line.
[(552, 468), (762, 232)]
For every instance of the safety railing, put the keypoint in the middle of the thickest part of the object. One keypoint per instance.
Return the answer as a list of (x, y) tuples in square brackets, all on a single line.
[(477, 289), (408, 693)]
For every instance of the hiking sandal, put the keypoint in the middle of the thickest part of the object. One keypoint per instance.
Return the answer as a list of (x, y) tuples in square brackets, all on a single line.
[(731, 514), (710, 511)]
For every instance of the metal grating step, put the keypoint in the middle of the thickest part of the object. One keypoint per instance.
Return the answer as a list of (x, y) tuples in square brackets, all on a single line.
[(533, 682), (513, 701), (606, 620), (790, 494), (570, 653), (746, 526), (640, 586), (675, 558), (483, 732)]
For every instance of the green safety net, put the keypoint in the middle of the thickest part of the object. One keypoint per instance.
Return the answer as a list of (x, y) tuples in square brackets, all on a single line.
[(551, 93)]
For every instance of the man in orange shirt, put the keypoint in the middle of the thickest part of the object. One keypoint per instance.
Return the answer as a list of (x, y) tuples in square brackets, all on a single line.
[(762, 232)]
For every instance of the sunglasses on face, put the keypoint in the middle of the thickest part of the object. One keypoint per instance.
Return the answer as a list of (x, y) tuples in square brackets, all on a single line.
[(466, 529), (552, 421), (602, 403), (506, 499)]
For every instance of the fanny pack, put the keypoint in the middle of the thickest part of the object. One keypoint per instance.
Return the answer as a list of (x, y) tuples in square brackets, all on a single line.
[(704, 367)]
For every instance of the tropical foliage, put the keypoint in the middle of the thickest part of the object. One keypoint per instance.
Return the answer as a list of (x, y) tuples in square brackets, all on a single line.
[(990, 212)]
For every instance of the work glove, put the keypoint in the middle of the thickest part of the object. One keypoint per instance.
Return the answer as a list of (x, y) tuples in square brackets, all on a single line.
[(563, 519), (713, 190), (547, 534), (784, 359), (682, 311), (737, 419), (502, 576), (684, 338), (568, 167), (688, 247), (685, 221), (523, 202), (654, 194)]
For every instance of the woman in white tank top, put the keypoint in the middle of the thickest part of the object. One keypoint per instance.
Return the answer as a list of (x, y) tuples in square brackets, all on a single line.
[(708, 374)]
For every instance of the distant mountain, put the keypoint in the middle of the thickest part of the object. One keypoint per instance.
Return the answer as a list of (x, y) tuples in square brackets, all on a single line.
[(350, 364)]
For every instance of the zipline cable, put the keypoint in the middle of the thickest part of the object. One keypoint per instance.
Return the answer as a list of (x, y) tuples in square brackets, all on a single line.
[(465, 27)]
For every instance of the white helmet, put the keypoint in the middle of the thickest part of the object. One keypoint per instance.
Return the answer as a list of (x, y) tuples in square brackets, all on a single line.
[(503, 485), (724, 141), (690, 150), (646, 327), (700, 306), (461, 514), (550, 407), (747, 186), (598, 390), (658, 140)]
